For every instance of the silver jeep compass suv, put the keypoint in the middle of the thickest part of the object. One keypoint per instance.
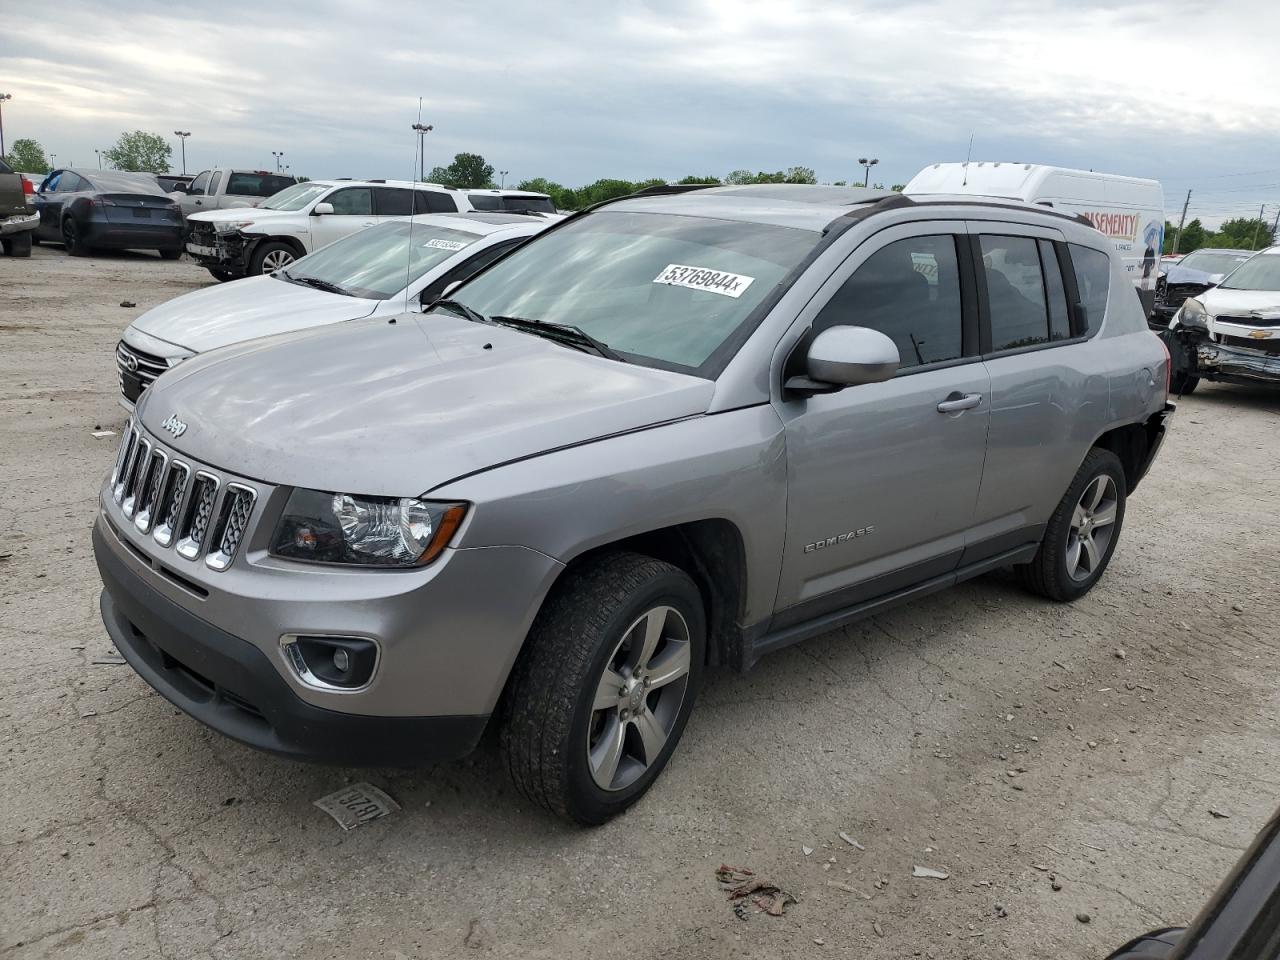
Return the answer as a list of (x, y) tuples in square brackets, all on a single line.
[(685, 428)]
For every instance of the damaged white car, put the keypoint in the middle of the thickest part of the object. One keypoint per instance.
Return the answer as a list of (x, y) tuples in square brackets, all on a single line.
[(1231, 332)]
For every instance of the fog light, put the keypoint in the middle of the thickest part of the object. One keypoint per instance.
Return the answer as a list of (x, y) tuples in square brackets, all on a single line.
[(331, 663)]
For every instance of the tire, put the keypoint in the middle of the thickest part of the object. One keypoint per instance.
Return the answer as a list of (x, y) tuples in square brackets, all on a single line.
[(271, 256), (19, 245), (1065, 568), (1183, 383), (1158, 945), (71, 238), (555, 740), (222, 276), (169, 253)]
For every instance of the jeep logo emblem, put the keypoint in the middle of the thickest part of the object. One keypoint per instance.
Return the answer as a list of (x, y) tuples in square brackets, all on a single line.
[(174, 426)]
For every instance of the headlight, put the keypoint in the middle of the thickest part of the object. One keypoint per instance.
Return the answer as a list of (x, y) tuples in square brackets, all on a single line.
[(370, 531), (231, 226), (1193, 316)]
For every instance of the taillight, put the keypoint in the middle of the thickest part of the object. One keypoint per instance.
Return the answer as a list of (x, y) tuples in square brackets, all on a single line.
[(27, 186)]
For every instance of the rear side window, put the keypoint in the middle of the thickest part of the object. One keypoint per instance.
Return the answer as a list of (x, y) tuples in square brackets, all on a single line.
[(213, 184), (1015, 292), (1059, 317), (485, 201), (392, 202), (909, 291), (1093, 281), (352, 202), (257, 184), (433, 201)]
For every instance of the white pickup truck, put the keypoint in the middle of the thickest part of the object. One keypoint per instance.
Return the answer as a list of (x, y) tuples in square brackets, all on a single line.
[(227, 188)]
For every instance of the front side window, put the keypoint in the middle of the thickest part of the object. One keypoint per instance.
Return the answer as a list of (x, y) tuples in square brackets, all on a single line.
[(296, 197), (1261, 272), (199, 185), (663, 290), (1016, 299), (376, 263), (1093, 282), (910, 292), (352, 202)]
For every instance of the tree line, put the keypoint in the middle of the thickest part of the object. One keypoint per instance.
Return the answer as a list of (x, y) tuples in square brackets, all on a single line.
[(1238, 233)]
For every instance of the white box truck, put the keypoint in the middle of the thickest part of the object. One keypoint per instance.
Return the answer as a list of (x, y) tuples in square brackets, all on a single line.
[(1129, 210)]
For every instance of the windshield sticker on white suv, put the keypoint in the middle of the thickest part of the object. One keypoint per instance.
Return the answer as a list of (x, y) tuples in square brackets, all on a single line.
[(445, 244), (701, 278)]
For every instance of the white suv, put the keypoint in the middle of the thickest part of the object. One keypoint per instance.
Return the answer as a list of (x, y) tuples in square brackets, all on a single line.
[(306, 217)]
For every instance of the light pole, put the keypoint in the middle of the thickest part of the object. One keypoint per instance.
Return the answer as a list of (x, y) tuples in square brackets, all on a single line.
[(182, 135), (3, 98), (279, 155), (504, 178), (867, 164), (422, 129), (99, 153), (52, 158)]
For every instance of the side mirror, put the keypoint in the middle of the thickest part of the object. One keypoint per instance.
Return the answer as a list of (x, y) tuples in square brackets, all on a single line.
[(843, 356), (322, 209)]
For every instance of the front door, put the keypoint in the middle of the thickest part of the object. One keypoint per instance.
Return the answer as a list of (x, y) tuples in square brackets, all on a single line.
[(882, 478), (352, 211)]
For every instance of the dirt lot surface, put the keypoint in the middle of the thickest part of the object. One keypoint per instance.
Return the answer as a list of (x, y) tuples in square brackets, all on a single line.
[(1002, 739)]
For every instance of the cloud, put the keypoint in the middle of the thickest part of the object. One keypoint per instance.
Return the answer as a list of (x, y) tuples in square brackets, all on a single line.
[(577, 91)]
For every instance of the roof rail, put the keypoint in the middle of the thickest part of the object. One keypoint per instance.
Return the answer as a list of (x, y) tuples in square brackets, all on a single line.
[(662, 189)]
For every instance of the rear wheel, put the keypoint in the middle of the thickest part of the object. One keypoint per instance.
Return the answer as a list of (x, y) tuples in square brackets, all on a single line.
[(72, 239), (169, 253), (19, 245), (270, 257), (1083, 531), (604, 686)]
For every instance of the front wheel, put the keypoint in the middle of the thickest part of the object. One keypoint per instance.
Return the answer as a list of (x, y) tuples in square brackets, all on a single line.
[(222, 276), (270, 257), (1083, 531), (169, 253), (602, 691), (19, 245)]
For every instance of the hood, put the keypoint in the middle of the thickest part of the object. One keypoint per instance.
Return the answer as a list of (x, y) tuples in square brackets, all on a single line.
[(1177, 274), (245, 309), (1241, 303), (397, 409), (243, 213)]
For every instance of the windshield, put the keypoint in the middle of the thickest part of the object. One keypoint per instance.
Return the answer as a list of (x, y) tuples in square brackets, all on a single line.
[(295, 197), (667, 289), (1213, 262), (1259, 273), (376, 263)]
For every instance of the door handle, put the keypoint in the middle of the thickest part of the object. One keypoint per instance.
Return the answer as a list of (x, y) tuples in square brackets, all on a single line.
[(955, 403)]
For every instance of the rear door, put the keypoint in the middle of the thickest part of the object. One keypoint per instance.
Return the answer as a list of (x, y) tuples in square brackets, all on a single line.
[(883, 477), (1042, 395)]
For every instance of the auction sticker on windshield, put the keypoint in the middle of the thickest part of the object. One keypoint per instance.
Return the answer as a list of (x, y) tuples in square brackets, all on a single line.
[(444, 244), (702, 278)]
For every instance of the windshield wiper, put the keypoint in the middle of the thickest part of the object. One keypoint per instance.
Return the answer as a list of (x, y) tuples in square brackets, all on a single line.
[(458, 307), (562, 333), (319, 284)]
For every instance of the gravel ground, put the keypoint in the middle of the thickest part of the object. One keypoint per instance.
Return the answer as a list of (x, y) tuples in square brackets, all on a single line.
[(1002, 739)]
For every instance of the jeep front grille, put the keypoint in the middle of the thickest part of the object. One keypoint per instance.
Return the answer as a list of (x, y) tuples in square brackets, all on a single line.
[(233, 518), (192, 510)]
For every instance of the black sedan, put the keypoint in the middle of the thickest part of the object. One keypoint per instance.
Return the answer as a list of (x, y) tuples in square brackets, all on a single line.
[(88, 209)]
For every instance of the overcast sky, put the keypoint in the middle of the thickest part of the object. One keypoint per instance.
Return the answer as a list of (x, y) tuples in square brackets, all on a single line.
[(1184, 92)]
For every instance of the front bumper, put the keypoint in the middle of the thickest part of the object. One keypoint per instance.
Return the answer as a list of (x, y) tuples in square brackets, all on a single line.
[(19, 223), (1223, 359), (230, 685), (220, 251)]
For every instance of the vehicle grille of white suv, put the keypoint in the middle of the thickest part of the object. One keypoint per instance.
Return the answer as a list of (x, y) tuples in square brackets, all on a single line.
[(181, 505)]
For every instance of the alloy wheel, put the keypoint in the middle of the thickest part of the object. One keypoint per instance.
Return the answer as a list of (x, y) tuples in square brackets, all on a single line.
[(638, 698), (1093, 524), (276, 260)]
